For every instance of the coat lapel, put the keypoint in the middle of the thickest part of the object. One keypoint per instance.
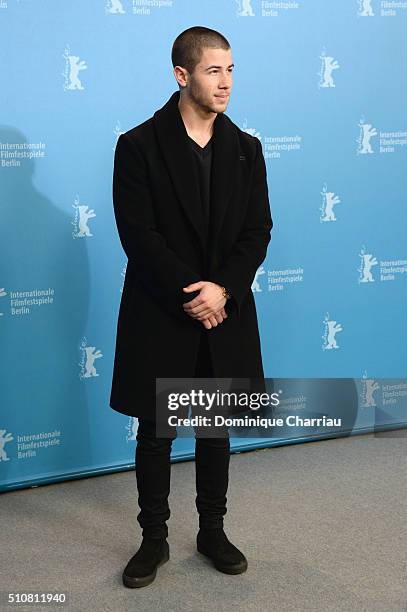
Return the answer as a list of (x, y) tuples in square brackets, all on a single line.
[(173, 141)]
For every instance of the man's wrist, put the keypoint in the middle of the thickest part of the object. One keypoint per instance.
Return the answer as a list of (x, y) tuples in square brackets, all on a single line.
[(225, 293)]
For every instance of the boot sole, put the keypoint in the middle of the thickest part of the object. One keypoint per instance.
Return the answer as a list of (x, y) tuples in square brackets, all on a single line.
[(239, 568), (134, 582)]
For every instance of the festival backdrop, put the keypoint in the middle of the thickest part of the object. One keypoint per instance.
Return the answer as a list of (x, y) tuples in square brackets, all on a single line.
[(323, 86)]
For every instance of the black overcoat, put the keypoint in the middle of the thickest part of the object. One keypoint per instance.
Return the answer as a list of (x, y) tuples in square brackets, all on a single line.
[(161, 228)]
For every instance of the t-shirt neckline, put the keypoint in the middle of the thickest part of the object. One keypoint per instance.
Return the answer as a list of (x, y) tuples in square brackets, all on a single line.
[(198, 146)]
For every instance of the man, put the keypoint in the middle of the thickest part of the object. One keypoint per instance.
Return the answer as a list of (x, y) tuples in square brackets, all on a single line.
[(192, 211)]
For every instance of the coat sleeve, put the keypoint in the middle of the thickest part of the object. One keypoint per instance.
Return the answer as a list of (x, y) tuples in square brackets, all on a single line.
[(249, 251), (158, 268)]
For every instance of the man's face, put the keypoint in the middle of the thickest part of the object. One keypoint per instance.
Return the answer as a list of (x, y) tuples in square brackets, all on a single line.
[(210, 85)]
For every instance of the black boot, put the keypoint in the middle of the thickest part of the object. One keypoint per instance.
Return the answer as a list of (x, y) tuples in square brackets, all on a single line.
[(142, 567), (226, 557)]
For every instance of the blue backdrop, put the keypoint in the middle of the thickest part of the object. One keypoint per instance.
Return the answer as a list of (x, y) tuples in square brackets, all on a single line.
[(322, 85)]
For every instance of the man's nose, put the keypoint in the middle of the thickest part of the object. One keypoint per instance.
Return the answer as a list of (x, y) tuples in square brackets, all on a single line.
[(226, 80)]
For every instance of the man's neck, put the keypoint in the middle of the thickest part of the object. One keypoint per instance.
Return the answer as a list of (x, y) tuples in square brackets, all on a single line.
[(198, 123)]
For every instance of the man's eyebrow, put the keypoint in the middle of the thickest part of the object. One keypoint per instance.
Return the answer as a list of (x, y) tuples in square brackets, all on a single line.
[(209, 67)]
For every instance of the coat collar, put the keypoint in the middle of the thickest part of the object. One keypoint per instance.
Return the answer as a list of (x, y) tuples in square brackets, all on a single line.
[(173, 141)]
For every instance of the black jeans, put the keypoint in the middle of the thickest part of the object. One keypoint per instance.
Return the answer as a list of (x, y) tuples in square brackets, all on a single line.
[(153, 470)]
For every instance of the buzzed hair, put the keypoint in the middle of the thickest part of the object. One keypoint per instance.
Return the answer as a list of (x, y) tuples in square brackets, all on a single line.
[(188, 46)]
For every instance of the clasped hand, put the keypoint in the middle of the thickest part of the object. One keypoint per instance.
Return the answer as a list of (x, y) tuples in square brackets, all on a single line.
[(208, 306)]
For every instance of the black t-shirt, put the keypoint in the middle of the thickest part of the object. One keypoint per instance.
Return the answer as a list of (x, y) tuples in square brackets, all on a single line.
[(203, 157)]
